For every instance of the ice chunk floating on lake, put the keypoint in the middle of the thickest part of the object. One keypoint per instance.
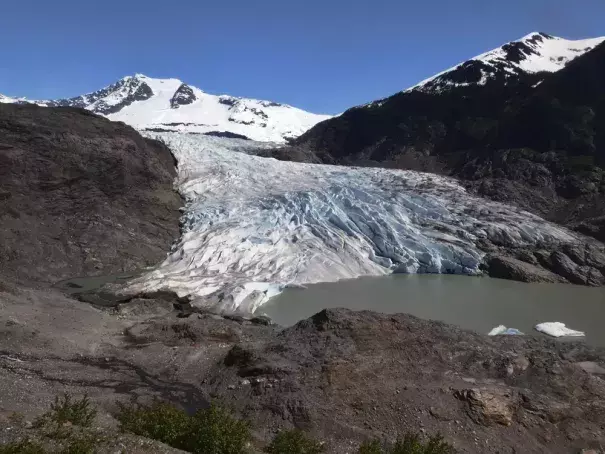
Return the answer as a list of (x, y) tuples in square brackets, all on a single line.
[(502, 330), (558, 329), (253, 225)]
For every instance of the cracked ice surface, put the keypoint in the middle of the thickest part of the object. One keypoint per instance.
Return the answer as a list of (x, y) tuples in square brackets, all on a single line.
[(253, 225)]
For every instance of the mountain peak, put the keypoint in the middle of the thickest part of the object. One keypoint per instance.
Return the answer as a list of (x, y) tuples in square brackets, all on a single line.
[(534, 53), (10, 100), (160, 105), (533, 35)]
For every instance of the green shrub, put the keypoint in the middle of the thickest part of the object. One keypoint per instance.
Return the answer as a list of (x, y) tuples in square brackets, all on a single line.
[(18, 419), (22, 447), (410, 444), (75, 445), (216, 431), (64, 410), (371, 447), (293, 442), (210, 431), (80, 444), (68, 422), (160, 421)]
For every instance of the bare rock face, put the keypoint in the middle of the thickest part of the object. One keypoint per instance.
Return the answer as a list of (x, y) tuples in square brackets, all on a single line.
[(509, 268), (594, 227), (80, 195), (137, 91), (591, 367), (346, 375), (490, 406), (140, 307), (589, 255), (184, 95), (575, 273), (581, 264)]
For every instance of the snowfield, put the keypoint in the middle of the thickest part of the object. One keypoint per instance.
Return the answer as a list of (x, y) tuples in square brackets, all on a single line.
[(537, 53), (255, 119), (147, 103), (254, 225)]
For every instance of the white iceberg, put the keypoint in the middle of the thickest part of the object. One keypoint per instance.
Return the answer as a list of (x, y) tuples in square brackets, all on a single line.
[(558, 329), (502, 330)]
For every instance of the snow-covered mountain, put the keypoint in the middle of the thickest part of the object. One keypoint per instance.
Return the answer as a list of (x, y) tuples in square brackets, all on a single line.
[(253, 225), (171, 105), (532, 54), (475, 105)]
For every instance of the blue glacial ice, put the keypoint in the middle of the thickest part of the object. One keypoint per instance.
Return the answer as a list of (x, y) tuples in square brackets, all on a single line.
[(253, 225)]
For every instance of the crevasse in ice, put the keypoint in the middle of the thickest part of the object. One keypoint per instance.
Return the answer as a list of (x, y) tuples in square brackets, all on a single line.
[(252, 225)]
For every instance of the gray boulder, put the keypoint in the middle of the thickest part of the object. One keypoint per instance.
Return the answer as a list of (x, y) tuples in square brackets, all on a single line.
[(574, 273), (504, 267)]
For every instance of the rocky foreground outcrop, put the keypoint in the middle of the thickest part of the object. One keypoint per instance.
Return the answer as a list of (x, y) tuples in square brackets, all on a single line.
[(347, 375), (343, 376), (81, 195)]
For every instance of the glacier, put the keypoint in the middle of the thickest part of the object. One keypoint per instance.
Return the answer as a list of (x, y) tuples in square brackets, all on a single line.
[(253, 225)]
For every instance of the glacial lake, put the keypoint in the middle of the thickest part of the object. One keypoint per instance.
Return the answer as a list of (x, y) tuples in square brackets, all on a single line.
[(475, 303)]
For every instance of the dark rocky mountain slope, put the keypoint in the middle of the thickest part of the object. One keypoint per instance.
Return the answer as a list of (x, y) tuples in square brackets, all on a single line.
[(537, 141), (80, 195)]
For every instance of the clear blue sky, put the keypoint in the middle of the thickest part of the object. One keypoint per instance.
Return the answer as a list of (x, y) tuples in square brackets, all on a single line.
[(320, 55)]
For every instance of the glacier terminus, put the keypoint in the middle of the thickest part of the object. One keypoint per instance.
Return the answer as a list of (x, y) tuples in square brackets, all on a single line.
[(253, 225)]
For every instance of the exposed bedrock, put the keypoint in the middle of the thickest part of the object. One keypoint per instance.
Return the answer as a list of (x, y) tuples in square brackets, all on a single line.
[(81, 195)]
